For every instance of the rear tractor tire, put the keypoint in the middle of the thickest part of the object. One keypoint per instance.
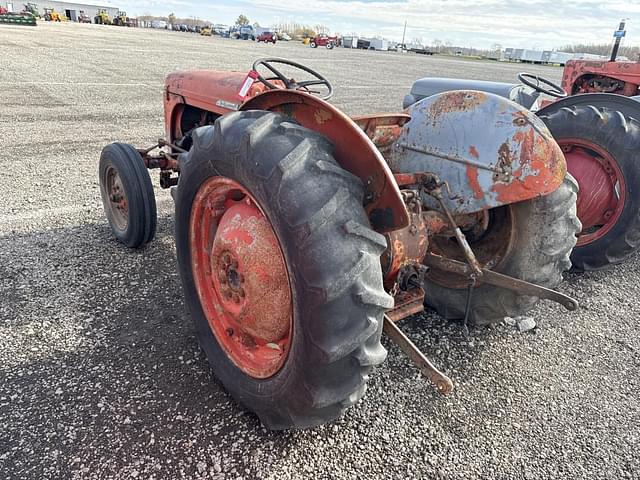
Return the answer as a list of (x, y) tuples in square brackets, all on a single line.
[(602, 148), (127, 195), (529, 240), (280, 268)]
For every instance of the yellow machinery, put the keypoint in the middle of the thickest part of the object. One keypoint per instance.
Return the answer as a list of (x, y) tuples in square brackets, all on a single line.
[(206, 31), (121, 19), (50, 15), (102, 18)]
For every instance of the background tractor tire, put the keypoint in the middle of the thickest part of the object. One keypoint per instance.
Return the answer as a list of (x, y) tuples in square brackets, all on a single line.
[(313, 45), (332, 258), (619, 137), (139, 226), (546, 229)]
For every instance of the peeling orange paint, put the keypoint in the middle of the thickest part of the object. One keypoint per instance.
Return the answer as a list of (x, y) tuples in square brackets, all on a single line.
[(472, 177)]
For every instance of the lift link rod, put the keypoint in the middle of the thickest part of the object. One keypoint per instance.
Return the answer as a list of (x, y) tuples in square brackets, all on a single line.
[(443, 384), (499, 280)]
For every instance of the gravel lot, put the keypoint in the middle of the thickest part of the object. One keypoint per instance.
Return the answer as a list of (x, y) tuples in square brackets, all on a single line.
[(101, 375)]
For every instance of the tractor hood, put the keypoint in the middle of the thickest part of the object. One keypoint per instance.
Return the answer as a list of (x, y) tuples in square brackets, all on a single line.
[(427, 87)]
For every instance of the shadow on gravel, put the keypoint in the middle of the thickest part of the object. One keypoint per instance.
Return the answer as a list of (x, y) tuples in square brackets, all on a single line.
[(104, 374)]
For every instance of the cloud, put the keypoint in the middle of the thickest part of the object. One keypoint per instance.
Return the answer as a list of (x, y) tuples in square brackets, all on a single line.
[(527, 24)]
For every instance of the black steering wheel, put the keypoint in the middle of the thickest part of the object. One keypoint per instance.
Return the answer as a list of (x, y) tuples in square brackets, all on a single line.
[(290, 83), (529, 78)]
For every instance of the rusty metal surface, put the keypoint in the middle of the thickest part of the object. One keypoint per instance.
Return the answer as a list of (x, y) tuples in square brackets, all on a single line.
[(498, 279), (354, 151), (406, 303), (382, 128), (408, 244), (488, 149), (443, 383), (588, 76), (241, 277)]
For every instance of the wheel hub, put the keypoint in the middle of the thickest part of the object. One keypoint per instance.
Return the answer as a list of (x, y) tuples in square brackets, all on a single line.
[(241, 277), (117, 205), (602, 189)]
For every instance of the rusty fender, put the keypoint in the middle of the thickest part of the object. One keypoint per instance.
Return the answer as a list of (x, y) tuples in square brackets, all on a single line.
[(489, 150)]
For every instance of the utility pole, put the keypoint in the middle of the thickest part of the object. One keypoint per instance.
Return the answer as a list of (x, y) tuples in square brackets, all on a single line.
[(403, 33)]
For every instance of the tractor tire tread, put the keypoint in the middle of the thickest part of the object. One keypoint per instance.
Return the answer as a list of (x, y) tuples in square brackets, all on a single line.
[(547, 228)]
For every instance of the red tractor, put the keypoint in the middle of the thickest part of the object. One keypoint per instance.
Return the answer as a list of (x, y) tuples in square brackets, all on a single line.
[(323, 40), (614, 76), (267, 37), (302, 233)]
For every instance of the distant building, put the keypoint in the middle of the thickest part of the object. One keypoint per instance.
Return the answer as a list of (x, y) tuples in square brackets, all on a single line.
[(71, 10)]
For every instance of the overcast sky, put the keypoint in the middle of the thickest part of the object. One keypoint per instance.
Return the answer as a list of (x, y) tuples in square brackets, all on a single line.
[(542, 24)]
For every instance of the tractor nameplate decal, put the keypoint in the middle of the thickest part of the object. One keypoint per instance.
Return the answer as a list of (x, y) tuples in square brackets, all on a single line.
[(228, 105)]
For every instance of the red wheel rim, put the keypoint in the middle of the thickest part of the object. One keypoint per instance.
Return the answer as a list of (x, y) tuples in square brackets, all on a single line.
[(602, 188), (241, 277)]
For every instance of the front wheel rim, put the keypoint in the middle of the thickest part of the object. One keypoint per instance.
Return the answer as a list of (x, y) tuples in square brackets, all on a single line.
[(602, 192), (241, 277), (116, 202)]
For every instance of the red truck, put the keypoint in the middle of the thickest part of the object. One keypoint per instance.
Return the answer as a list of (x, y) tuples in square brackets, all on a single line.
[(323, 40)]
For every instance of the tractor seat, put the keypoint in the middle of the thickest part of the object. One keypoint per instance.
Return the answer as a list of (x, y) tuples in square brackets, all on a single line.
[(426, 87)]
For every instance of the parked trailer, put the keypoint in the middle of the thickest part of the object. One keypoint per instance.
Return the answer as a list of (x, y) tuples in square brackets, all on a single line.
[(378, 44), (350, 42)]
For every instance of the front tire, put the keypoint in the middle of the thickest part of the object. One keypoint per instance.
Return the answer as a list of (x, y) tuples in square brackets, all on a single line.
[(332, 259), (127, 195), (545, 231), (313, 45)]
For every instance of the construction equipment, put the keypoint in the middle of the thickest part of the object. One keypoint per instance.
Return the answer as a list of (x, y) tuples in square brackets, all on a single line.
[(300, 231), (31, 9), (51, 15), (121, 19), (83, 17), (206, 31), (102, 18), (26, 18)]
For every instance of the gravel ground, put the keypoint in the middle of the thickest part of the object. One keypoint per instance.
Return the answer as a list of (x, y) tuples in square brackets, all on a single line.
[(100, 372)]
